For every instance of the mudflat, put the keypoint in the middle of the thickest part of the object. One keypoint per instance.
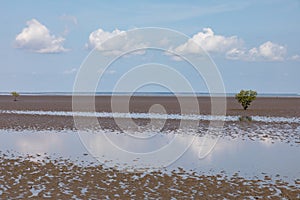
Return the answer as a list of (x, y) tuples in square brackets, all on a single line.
[(264, 106), (38, 175), (270, 107)]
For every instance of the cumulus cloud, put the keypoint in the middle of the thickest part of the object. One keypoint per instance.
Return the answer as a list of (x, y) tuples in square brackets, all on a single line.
[(207, 40), (119, 44), (36, 37), (267, 51), (98, 37), (231, 47)]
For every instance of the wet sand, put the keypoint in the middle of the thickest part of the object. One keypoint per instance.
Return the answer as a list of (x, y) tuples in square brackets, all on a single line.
[(263, 106), (22, 177), (270, 107), (60, 178), (279, 107)]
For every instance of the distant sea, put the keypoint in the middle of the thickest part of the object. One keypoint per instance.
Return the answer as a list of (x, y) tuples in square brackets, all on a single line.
[(200, 94)]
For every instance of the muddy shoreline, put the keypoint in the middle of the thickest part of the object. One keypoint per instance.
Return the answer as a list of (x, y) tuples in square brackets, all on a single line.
[(262, 106)]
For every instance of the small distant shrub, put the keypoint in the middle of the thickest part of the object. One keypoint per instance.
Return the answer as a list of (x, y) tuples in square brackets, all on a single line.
[(245, 97), (245, 119), (15, 95)]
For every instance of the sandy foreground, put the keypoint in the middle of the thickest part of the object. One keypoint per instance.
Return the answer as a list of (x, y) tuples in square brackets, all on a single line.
[(62, 179), (24, 177)]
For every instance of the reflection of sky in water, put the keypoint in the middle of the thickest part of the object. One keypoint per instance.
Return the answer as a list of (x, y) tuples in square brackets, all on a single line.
[(249, 158)]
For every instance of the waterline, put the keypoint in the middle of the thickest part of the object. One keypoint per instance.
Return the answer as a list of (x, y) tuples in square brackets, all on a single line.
[(152, 116)]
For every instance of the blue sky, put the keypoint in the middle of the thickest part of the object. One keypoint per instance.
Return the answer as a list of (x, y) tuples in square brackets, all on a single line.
[(255, 45)]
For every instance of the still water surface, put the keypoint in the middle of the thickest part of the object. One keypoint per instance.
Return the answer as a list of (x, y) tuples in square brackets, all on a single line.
[(246, 157)]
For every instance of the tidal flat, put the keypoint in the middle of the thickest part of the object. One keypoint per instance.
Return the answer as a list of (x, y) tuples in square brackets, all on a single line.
[(44, 154)]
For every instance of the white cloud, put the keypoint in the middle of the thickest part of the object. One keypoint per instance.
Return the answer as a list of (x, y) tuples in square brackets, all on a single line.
[(232, 47), (173, 56), (267, 51), (98, 37), (236, 54), (208, 41), (177, 58), (272, 51), (70, 71), (36, 37), (295, 57), (120, 44)]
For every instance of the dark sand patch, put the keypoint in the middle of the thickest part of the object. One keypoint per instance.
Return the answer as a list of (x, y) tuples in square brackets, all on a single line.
[(22, 178)]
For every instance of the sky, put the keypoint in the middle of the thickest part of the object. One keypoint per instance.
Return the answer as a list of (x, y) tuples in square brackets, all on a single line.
[(255, 45)]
